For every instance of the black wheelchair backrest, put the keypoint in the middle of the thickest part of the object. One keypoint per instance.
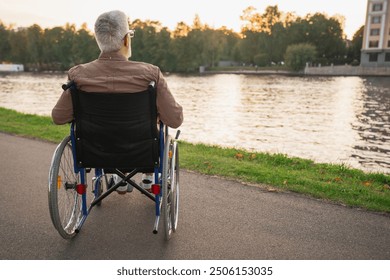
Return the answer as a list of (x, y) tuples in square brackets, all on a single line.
[(116, 130)]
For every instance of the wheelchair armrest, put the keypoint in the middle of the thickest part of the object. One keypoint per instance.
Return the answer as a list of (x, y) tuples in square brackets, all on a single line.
[(68, 85)]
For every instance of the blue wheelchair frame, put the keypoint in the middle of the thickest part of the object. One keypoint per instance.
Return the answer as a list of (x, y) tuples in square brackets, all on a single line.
[(99, 173)]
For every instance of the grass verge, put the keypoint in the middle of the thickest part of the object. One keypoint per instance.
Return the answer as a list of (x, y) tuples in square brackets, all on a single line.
[(336, 183)]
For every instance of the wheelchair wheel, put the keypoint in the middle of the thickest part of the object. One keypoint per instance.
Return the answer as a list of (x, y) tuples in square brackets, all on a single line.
[(170, 187), (64, 201)]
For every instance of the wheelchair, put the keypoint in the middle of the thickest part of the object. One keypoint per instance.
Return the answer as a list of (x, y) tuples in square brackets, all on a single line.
[(113, 134)]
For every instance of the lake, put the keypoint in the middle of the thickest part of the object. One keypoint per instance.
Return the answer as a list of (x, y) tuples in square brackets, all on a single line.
[(326, 119)]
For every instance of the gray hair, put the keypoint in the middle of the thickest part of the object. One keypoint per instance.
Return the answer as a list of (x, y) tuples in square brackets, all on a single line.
[(110, 29)]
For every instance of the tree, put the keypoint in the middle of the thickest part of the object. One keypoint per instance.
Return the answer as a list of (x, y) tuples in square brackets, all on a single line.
[(324, 33), (17, 43), (249, 46), (277, 43), (253, 20), (263, 41), (327, 35), (84, 47), (201, 45), (181, 30), (263, 36), (163, 55), (214, 42), (34, 47), (354, 50), (182, 54), (271, 17), (4, 43), (52, 45), (298, 55), (229, 45)]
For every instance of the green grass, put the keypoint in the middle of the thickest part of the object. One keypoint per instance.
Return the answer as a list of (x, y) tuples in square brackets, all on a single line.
[(336, 183), (34, 126)]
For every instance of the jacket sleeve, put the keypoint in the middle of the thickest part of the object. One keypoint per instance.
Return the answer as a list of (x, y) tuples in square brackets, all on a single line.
[(170, 112), (62, 112)]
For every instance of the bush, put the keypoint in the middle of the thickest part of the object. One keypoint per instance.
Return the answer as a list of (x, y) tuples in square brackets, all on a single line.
[(298, 55), (355, 62), (261, 59)]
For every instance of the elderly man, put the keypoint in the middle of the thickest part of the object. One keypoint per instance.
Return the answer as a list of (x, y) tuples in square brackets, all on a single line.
[(112, 72)]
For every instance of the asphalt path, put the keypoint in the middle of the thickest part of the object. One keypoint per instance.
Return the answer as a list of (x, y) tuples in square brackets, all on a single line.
[(219, 219)]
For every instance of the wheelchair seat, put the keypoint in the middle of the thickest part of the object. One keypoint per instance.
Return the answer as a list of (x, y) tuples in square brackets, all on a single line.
[(116, 130)]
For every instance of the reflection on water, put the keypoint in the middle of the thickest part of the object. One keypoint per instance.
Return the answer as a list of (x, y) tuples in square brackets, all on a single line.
[(336, 119), (372, 125), (30, 93)]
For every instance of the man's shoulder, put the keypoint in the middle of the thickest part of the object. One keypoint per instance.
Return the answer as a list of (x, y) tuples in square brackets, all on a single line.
[(75, 70), (128, 67), (145, 65)]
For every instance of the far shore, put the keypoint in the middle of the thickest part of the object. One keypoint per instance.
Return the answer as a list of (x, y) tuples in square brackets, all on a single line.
[(253, 72), (336, 71), (330, 71)]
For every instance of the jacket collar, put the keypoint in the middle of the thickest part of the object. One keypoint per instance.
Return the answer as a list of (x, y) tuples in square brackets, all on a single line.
[(112, 56)]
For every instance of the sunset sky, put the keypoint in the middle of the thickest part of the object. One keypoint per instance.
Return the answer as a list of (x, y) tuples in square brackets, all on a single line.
[(49, 13)]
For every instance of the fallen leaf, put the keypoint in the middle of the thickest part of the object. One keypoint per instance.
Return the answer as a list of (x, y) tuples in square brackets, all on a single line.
[(338, 179), (252, 156), (367, 183), (239, 156)]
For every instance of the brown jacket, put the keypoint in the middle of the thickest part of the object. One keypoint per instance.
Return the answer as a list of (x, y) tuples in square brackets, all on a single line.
[(113, 73)]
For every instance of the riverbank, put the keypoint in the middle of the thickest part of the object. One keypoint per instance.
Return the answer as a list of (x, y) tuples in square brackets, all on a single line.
[(338, 70), (347, 70), (250, 70), (253, 72), (336, 183)]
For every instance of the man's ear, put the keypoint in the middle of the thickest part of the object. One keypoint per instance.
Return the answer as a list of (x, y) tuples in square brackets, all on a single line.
[(127, 41)]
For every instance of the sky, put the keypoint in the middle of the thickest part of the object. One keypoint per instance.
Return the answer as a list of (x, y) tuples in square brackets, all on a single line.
[(215, 13)]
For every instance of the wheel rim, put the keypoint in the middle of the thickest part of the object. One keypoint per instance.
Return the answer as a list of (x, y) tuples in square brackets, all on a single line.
[(170, 187), (166, 182), (64, 201), (175, 190)]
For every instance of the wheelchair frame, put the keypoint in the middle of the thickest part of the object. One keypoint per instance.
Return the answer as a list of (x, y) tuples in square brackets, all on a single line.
[(67, 194)]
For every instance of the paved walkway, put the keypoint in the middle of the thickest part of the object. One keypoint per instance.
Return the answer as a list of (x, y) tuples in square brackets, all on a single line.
[(219, 219)]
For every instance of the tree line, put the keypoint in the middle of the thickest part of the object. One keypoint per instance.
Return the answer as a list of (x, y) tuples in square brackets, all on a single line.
[(269, 38)]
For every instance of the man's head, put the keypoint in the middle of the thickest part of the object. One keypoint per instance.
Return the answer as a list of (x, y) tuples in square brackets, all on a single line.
[(112, 32)]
